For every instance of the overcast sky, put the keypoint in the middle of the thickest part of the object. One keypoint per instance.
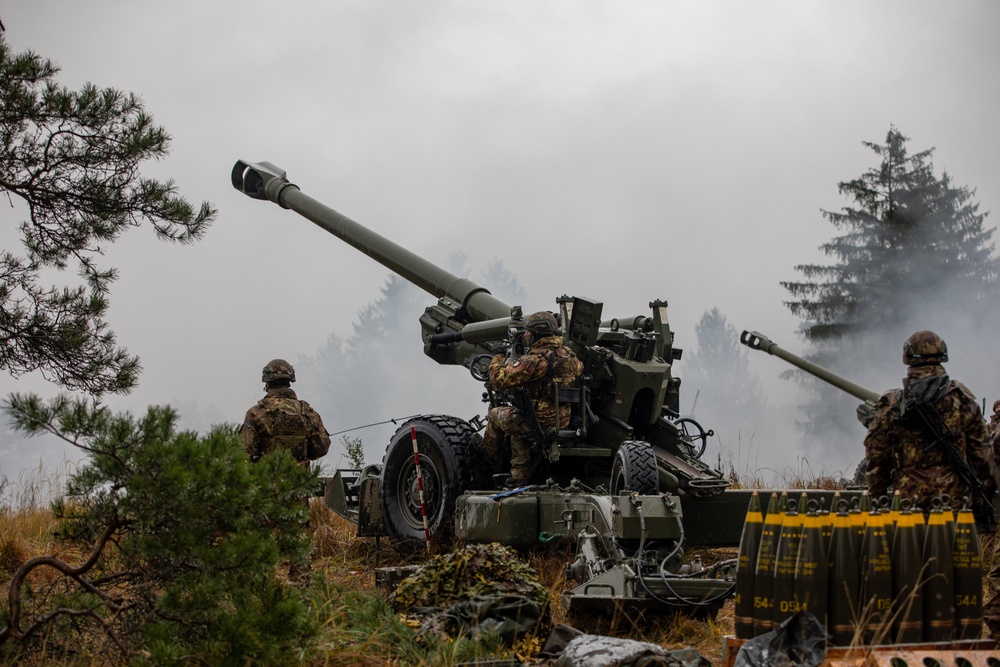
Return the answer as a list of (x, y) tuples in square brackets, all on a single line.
[(625, 151)]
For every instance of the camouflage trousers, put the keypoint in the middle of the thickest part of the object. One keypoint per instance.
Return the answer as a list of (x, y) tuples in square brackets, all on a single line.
[(506, 420), (991, 591)]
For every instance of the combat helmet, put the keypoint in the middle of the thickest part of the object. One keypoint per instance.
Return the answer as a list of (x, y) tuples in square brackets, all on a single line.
[(924, 348), (542, 324), (276, 370)]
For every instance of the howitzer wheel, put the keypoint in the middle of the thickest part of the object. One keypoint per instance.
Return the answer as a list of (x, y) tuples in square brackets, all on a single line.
[(444, 466), (635, 469)]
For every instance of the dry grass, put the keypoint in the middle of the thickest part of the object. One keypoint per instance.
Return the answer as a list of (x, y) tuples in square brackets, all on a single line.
[(24, 533)]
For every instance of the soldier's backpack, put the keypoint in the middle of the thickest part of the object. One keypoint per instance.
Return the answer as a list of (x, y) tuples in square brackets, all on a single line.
[(288, 428)]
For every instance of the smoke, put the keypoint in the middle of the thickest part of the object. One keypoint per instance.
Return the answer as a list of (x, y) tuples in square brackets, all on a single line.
[(367, 385)]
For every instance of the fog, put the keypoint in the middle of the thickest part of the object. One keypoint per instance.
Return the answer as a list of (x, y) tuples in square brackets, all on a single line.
[(621, 151)]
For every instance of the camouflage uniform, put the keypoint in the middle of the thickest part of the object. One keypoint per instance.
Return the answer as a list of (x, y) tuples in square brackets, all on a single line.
[(546, 363), (994, 424), (896, 447), (991, 564), (281, 420)]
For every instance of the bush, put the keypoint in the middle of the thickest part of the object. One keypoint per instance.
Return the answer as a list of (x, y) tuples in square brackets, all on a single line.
[(185, 535)]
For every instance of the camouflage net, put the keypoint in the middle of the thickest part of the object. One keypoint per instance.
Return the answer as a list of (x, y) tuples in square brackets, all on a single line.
[(476, 588), (467, 572)]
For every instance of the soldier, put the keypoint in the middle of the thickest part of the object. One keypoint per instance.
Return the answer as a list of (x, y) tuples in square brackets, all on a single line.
[(991, 563), (994, 424), (929, 438), (281, 420), (545, 364)]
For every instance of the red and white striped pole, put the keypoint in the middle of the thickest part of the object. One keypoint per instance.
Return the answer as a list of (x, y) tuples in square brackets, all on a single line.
[(420, 487)]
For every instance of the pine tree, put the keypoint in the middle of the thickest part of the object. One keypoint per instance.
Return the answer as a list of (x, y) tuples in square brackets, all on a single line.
[(183, 534), (73, 158)]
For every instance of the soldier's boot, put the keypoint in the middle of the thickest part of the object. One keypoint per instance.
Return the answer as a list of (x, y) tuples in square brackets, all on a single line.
[(519, 476)]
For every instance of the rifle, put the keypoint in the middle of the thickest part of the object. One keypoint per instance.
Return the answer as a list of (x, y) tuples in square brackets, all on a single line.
[(520, 398), (944, 439)]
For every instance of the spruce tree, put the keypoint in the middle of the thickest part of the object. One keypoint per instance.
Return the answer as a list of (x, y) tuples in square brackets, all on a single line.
[(914, 253), (909, 238)]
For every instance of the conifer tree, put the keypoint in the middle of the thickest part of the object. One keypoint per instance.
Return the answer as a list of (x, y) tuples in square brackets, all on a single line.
[(717, 374), (181, 536), (914, 253), (72, 159), (909, 238)]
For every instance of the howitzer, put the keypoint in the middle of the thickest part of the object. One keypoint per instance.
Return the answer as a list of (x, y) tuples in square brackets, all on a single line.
[(758, 341), (629, 395)]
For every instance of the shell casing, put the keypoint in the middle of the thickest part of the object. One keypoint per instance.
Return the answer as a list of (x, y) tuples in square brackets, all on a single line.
[(876, 580), (937, 580), (811, 568), (907, 562), (764, 578), (967, 565), (746, 567), (785, 559), (844, 581)]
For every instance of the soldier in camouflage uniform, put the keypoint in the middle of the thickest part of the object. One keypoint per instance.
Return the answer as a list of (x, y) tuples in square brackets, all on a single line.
[(994, 424), (991, 564), (902, 453), (545, 364), (281, 421)]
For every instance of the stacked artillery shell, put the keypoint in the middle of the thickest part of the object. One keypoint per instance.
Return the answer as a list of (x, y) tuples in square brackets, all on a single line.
[(949, 519), (811, 568), (892, 512), (827, 518), (937, 582), (920, 523), (785, 560), (746, 567), (967, 565), (876, 573), (844, 580), (907, 563), (763, 591), (859, 519)]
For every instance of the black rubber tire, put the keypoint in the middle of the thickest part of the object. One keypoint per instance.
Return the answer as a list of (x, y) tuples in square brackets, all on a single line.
[(444, 463), (635, 469)]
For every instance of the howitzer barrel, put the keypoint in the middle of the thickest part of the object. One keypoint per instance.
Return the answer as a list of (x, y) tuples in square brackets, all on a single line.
[(758, 341), (263, 180)]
